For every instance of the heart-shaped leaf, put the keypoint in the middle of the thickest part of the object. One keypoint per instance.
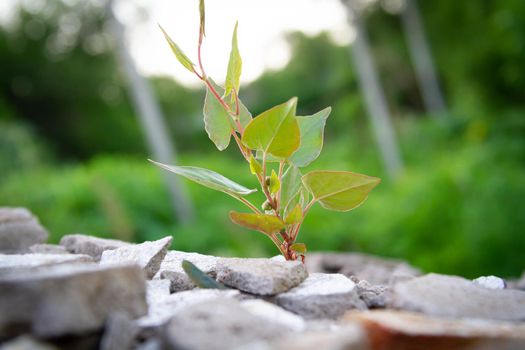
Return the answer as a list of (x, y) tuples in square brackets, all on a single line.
[(339, 190), (233, 74), (291, 189), (312, 128), (264, 223), (179, 54), (217, 121), (295, 216), (208, 179), (274, 131)]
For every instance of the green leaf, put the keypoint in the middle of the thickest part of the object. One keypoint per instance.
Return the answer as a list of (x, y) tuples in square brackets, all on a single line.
[(274, 131), (275, 184), (255, 166), (295, 216), (181, 57), (245, 117), (234, 66), (339, 190), (217, 121), (291, 187), (312, 128), (298, 247), (209, 179), (202, 13), (264, 223), (198, 277)]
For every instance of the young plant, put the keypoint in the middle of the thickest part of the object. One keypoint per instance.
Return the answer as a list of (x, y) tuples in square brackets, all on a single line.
[(275, 145)]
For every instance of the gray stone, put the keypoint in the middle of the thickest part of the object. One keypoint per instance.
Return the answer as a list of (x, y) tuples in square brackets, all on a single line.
[(274, 313), (450, 296), (219, 324), (374, 269), (491, 282), (150, 344), (260, 276), (15, 264), (322, 296), (69, 299), (348, 337), (44, 248), (119, 334), (171, 268), (94, 246), (147, 255), (26, 342), (160, 311), (402, 330), (374, 296), (19, 230), (157, 290)]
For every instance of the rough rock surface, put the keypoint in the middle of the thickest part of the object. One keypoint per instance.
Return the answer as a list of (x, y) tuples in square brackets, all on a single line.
[(171, 268), (348, 337), (260, 276), (219, 324), (147, 255), (450, 296), (374, 296), (275, 314), (94, 246), (19, 230), (389, 329), (15, 264), (160, 311), (157, 290), (119, 333), (322, 296), (25, 342), (44, 248), (491, 282), (371, 268), (69, 299)]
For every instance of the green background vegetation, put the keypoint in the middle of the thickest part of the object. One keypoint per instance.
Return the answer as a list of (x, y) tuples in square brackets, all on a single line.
[(72, 151)]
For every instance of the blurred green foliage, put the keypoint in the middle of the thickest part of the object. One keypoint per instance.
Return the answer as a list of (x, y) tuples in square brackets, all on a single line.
[(72, 151)]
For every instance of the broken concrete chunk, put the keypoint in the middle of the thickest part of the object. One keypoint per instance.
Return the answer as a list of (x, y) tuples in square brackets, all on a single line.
[(322, 296), (69, 299), (491, 282), (157, 290), (119, 333), (160, 311), (147, 255), (219, 324), (374, 269), (90, 245), (19, 230), (374, 296), (260, 276), (274, 313), (171, 268), (451, 296), (17, 264), (48, 249)]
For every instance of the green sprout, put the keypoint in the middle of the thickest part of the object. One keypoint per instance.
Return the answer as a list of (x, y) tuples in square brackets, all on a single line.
[(276, 144)]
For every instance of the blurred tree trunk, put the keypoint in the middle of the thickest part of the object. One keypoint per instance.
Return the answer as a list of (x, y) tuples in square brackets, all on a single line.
[(374, 96), (422, 59), (150, 116)]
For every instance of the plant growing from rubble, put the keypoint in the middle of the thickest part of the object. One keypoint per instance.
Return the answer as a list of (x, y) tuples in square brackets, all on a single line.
[(275, 145)]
